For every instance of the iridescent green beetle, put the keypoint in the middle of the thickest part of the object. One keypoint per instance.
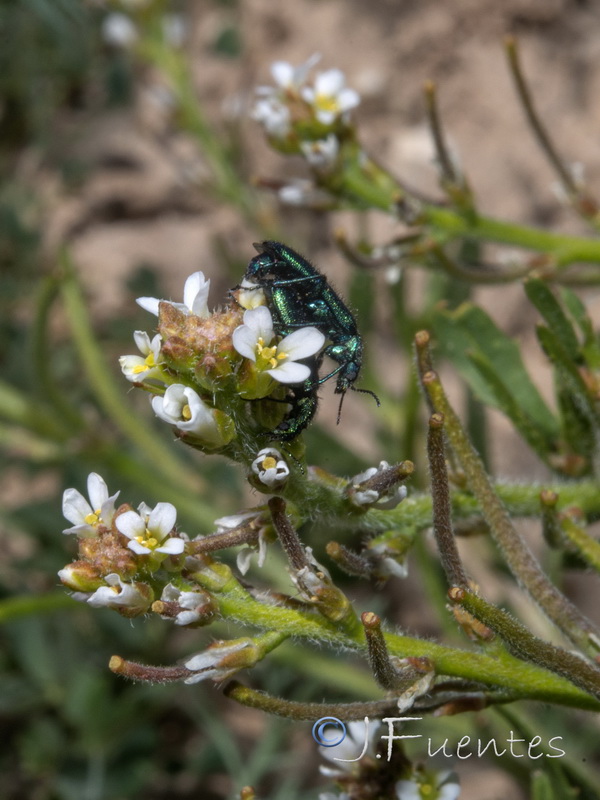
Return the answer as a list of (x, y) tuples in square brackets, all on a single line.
[(298, 295)]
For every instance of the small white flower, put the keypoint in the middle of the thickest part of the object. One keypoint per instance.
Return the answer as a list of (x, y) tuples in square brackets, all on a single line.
[(330, 98), (183, 407), (191, 604), (244, 557), (253, 340), (119, 594), (147, 533), (250, 295), (388, 566), (225, 524), (443, 786), (323, 153), (195, 298), (209, 663), (288, 77), (270, 467), (246, 554), (370, 496), (360, 742), (273, 115), (311, 579), (119, 30), (137, 369), (87, 517), (304, 193)]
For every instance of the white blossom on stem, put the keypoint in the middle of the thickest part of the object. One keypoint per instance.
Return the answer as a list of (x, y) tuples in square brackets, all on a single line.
[(86, 516), (149, 533), (253, 340), (270, 468), (330, 98), (183, 407), (121, 595), (195, 298), (140, 368)]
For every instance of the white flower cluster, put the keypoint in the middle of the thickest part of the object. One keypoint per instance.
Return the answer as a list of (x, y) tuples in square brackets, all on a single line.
[(329, 99), (182, 406)]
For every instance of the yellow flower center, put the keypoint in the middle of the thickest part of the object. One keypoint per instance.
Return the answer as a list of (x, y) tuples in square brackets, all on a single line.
[(267, 357), (269, 462), (149, 363), (325, 102), (150, 542), (186, 412), (93, 518)]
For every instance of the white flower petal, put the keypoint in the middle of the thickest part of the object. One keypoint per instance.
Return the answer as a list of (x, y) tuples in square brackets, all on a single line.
[(244, 559), (283, 73), (130, 524), (451, 791), (330, 83), (260, 321), (173, 547), (162, 520), (407, 790), (138, 548), (302, 343), (289, 372), (195, 294), (347, 99), (75, 507), (149, 304), (81, 530), (244, 340), (142, 341), (97, 490)]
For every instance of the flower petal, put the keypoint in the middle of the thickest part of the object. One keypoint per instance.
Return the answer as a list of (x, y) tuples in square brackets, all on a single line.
[(138, 548), (172, 547), (97, 490), (260, 320), (162, 520), (302, 343), (142, 341), (244, 340), (130, 524), (290, 372), (149, 304), (195, 294), (75, 507)]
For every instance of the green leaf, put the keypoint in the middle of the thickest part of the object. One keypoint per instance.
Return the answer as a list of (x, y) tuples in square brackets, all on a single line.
[(469, 338), (590, 347), (506, 402), (546, 303)]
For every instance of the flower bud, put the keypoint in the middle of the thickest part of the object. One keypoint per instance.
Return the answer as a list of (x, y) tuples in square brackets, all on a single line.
[(81, 576)]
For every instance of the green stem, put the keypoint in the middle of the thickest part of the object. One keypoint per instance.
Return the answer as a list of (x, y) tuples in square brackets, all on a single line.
[(524, 644), (587, 547), (525, 680), (565, 249), (42, 361), (519, 558)]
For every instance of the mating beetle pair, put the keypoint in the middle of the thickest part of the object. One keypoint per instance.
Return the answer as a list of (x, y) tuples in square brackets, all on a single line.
[(298, 295)]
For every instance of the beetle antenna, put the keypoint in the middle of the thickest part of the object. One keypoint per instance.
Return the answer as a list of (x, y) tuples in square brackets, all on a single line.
[(367, 391)]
